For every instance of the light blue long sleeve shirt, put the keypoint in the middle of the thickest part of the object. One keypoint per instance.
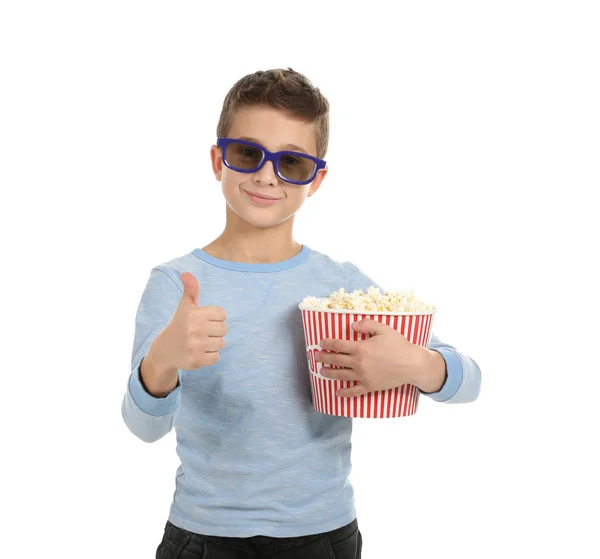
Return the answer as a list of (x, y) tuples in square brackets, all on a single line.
[(256, 457)]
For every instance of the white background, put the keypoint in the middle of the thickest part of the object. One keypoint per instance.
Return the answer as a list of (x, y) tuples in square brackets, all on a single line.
[(464, 164)]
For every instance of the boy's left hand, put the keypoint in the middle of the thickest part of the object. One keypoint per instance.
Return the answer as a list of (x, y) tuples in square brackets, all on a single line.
[(385, 360)]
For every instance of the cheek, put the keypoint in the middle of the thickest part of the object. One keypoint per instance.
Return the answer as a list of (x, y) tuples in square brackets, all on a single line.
[(230, 183), (296, 195)]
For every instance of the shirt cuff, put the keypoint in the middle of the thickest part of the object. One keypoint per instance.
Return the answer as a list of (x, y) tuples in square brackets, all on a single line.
[(148, 403), (454, 379)]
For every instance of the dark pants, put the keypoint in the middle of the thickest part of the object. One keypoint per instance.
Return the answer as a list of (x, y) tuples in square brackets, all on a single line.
[(343, 543)]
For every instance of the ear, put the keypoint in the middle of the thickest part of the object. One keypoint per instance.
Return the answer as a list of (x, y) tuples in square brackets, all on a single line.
[(216, 157), (321, 173)]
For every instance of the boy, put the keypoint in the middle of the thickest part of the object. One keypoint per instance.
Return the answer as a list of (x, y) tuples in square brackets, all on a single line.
[(262, 473)]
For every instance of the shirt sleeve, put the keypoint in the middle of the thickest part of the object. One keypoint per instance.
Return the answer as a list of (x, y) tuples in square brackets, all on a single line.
[(147, 417), (463, 375)]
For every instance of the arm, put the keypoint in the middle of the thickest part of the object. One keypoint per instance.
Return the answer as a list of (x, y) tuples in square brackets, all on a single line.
[(148, 415), (454, 379), (461, 380)]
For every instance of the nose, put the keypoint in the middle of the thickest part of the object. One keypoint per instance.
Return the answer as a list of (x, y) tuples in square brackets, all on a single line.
[(266, 174)]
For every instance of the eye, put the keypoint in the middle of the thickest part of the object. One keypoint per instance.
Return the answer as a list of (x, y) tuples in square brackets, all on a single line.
[(250, 153), (290, 160)]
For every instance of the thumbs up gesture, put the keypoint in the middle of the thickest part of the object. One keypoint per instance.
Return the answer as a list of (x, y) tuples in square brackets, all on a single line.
[(194, 335), (192, 338)]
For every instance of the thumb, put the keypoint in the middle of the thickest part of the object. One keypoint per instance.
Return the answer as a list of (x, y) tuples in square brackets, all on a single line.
[(191, 288), (368, 326)]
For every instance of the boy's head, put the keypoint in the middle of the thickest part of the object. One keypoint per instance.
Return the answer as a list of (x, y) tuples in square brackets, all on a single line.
[(271, 111)]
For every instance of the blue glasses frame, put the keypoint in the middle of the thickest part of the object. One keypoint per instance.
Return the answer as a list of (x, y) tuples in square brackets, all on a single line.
[(273, 157)]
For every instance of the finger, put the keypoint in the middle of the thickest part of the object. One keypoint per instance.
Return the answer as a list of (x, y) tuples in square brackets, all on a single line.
[(191, 288), (369, 327), (211, 357), (339, 346), (337, 359), (339, 374), (214, 344), (215, 313), (357, 390), (217, 329)]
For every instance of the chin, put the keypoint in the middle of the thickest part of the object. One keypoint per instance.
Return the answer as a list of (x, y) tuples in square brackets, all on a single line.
[(261, 218), (264, 222)]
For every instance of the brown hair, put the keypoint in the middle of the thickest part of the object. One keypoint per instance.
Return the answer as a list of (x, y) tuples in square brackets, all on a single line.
[(282, 89)]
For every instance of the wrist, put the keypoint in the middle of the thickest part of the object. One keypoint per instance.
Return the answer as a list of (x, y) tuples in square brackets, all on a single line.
[(158, 379), (433, 373)]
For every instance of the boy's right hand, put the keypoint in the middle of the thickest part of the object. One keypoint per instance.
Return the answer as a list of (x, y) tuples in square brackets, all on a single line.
[(192, 338)]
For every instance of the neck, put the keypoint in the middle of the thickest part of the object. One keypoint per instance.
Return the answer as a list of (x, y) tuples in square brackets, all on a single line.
[(244, 243)]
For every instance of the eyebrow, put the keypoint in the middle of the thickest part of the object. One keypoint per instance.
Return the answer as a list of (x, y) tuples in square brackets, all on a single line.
[(293, 147)]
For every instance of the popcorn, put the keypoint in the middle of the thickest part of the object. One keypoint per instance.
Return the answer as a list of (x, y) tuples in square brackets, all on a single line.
[(373, 301)]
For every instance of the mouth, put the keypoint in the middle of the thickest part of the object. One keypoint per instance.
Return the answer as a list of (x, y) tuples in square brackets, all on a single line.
[(261, 199)]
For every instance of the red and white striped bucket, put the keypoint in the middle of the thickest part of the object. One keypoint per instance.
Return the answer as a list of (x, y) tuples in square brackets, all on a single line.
[(395, 402)]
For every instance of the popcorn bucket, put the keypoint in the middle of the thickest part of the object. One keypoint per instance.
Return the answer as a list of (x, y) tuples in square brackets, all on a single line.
[(395, 402)]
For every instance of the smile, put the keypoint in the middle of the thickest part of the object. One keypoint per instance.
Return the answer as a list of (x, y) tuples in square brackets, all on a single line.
[(261, 200)]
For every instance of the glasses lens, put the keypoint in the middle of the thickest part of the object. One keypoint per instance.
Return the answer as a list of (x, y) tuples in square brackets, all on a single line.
[(296, 167), (243, 156)]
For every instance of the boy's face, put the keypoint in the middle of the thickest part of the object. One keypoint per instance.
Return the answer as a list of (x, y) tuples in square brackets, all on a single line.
[(276, 131)]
